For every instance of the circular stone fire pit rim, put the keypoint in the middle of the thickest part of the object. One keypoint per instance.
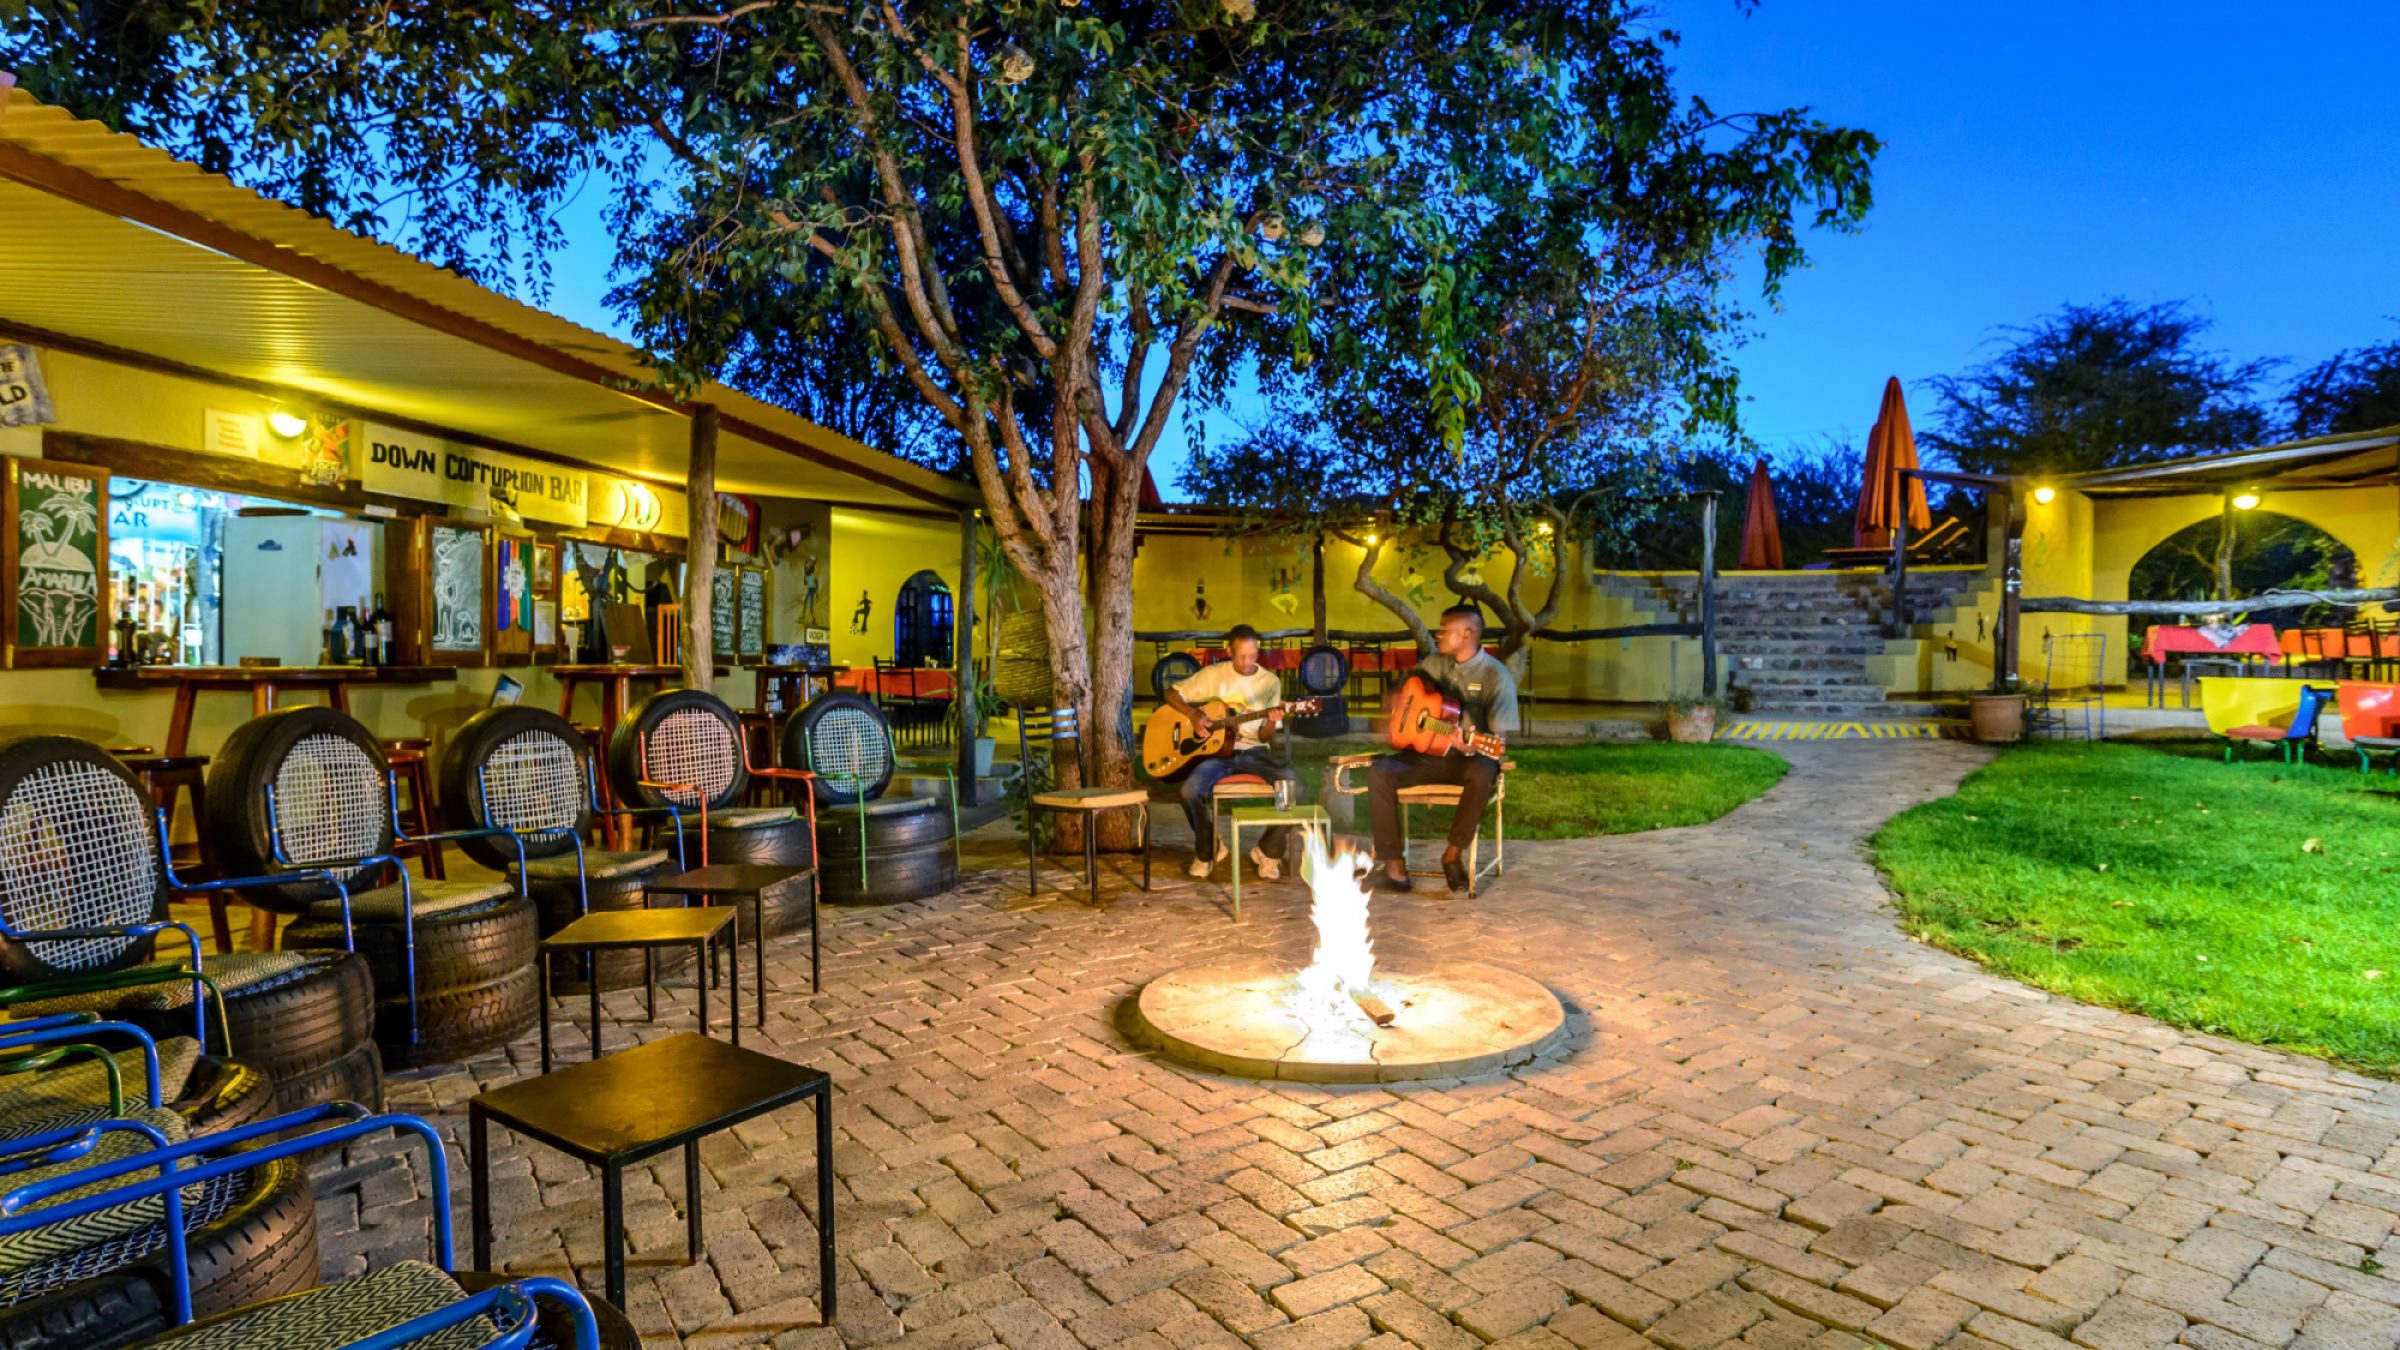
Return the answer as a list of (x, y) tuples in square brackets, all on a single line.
[(1228, 1017)]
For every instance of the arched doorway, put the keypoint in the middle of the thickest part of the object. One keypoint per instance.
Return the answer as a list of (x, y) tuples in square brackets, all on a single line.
[(2270, 550), (921, 621)]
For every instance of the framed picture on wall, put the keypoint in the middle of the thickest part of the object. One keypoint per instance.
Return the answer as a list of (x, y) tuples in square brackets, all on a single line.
[(751, 588), (512, 596), (54, 564), (458, 591), (545, 568)]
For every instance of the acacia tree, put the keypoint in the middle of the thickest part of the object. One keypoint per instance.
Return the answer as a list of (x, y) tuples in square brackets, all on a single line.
[(1588, 324), (2353, 390), (1035, 206)]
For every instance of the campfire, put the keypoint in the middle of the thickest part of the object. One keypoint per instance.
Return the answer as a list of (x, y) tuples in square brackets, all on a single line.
[(1336, 1019), (1336, 988)]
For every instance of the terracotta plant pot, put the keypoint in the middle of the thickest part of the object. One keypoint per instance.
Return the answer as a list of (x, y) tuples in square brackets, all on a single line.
[(1999, 719), (1692, 726)]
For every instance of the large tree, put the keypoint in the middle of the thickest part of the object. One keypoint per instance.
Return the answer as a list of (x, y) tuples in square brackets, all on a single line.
[(1539, 391), (2354, 390), (2096, 387), (1031, 205)]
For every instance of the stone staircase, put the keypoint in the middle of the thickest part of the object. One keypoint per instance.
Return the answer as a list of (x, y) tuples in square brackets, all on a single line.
[(1797, 644)]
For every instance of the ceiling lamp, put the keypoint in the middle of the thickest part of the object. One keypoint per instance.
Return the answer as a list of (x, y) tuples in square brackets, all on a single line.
[(287, 425), (2045, 494)]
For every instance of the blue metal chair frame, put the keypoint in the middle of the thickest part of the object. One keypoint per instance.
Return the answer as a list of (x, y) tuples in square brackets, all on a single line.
[(60, 1026), (2293, 743), (510, 1305), (408, 903), (591, 787)]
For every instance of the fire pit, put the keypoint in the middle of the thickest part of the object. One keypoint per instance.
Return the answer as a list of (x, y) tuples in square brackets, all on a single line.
[(1339, 1020)]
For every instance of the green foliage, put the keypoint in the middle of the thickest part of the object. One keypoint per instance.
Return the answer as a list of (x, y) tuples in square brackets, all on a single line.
[(2095, 387), (2354, 390), (1578, 791), (2270, 550), (2249, 900)]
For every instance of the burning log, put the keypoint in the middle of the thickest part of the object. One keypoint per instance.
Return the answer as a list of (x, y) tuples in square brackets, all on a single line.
[(1377, 1011)]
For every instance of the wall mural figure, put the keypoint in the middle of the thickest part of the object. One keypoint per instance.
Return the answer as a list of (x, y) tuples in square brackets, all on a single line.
[(858, 617), (1200, 601)]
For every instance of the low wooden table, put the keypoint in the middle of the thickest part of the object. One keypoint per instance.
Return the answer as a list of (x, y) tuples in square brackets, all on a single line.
[(640, 1103), (730, 883), (645, 929)]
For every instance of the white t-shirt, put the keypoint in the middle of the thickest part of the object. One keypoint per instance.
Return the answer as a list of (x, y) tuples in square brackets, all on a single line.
[(1261, 688)]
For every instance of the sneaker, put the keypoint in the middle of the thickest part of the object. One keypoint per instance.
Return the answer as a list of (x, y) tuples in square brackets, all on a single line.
[(1269, 869), (1201, 866)]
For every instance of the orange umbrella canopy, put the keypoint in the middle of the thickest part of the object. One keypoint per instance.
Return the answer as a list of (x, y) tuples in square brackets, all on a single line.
[(1891, 447), (1762, 538)]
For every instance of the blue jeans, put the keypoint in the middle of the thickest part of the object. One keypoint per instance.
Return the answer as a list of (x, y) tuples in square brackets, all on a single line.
[(1201, 811)]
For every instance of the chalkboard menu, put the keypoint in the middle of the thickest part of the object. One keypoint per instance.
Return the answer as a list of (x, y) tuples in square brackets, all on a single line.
[(723, 617), (457, 586), (55, 538), (754, 612)]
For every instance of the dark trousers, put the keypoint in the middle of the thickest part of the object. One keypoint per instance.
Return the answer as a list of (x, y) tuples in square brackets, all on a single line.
[(1474, 776), (1198, 792)]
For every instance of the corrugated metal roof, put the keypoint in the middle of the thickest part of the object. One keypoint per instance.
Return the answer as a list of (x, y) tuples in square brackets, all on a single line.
[(115, 242), (2348, 459)]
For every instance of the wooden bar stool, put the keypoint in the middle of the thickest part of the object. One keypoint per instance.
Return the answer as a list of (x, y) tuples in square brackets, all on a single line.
[(406, 756), (165, 778)]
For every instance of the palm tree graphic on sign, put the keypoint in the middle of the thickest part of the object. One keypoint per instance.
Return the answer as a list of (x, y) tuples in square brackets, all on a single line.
[(58, 584)]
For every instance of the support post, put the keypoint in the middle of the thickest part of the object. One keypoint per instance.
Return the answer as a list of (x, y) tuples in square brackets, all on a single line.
[(2012, 591), (1708, 595), (970, 723), (1900, 562), (1316, 554), (700, 563)]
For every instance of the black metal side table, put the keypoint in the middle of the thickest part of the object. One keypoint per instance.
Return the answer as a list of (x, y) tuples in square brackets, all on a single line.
[(698, 929), (746, 886), (637, 1104)]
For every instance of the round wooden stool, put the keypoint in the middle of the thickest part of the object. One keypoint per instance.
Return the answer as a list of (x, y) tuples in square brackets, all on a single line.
[(406, 758)]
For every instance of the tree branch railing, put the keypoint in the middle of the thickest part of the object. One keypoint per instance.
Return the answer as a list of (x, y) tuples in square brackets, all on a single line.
[(2194, 609)]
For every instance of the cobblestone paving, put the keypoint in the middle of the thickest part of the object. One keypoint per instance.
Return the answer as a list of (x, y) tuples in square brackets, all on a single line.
[(1779, 1124)]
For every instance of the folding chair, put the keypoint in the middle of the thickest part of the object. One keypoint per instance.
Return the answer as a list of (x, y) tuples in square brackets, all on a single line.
[(2074, 675), (1044, 730)]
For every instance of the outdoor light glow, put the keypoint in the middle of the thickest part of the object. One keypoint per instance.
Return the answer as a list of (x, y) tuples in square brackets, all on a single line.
[(2045, 495), (286, 424), (2247, 501)]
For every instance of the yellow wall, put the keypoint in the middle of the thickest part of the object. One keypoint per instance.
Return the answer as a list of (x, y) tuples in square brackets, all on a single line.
[(1239, 577), (876, 553)]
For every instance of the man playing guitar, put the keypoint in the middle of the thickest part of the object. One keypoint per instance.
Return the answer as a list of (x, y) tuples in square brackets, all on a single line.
[(1487, 698), (1242, 685)]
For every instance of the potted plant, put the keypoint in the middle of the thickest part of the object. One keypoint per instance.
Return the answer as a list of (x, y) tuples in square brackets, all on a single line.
[(1692, 719), (1998, 713), (989, 708)]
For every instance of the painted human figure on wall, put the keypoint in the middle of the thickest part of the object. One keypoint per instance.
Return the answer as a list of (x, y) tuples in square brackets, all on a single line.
[(858, 617)]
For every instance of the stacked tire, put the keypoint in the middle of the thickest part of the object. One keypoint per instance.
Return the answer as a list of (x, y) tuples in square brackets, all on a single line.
[(693, 738), (908, 844), (83, 826), (1323, 671), (473, 943), (533, 764)]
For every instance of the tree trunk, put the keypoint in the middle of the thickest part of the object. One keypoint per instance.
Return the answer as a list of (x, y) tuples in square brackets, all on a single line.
[(1366, 584), (2225, 553), (1114, 518), (700, 567), (1316, 558)]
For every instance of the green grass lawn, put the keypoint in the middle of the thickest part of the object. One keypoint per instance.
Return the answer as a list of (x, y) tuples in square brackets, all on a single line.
[(2250, 900), (1571, 791)]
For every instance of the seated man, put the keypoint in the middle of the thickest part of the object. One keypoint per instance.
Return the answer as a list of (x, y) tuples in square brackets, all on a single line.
[(1241, 685), (1486, 695)]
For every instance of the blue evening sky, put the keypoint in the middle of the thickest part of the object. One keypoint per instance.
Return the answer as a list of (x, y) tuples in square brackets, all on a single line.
[(2242, 157)]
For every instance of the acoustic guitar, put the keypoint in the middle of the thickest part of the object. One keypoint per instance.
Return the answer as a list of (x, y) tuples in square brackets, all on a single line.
[(1426, 720), (1172, 743)]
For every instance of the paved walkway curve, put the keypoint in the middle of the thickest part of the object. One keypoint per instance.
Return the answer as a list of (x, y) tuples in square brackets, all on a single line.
[(1781, 1124)]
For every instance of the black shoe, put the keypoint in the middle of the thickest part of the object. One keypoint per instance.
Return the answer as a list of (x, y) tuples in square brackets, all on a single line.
[(1454, 871), (1385, 881)]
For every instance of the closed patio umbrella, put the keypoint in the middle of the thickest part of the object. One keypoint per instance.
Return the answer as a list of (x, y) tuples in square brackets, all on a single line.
[(1762, 538), (1891, 448)]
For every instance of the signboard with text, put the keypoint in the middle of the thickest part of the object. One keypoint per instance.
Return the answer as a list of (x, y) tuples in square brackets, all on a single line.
[(428, 469)]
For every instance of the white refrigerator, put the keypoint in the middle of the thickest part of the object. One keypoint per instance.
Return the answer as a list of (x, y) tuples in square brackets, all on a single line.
[(285, 574)]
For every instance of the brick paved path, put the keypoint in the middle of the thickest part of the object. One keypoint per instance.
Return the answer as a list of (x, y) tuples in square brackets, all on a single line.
[(1780, 1124)]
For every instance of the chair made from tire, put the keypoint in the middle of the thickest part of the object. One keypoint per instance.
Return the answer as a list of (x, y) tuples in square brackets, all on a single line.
[(872, 849), (409, 1303), (84, 890), (307, 788), (684, 749), (1171, 669), (526, 773), (108, 1279), (1323, 673)]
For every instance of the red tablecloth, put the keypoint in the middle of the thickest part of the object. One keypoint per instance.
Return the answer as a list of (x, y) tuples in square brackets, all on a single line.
[(2332, 643), (928, 682), (2257, 639)]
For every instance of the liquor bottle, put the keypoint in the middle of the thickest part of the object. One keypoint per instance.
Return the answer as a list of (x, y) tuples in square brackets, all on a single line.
[(381, 621), (335, 645)]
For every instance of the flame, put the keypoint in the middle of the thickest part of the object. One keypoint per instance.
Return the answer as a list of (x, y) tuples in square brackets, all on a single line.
[(1344, 961)]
